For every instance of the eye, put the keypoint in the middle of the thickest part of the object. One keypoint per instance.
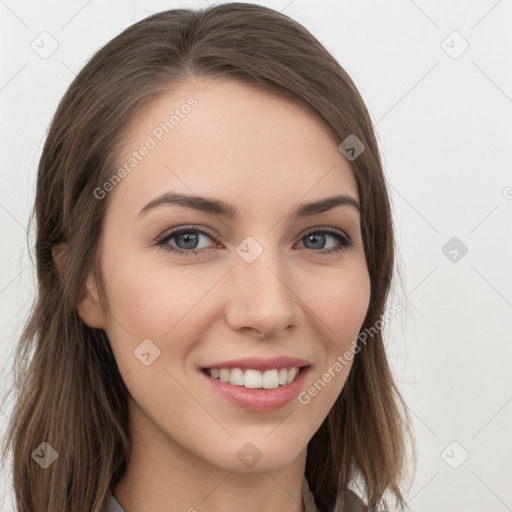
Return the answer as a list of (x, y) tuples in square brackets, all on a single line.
[(187, 241), (188, 238), (318, 237)]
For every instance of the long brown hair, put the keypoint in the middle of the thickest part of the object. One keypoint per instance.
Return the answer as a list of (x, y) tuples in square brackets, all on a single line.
[(69, 392)]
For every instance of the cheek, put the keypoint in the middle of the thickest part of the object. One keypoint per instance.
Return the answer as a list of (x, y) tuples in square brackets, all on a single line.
[(338, 314), (341, 305), (155, 301)]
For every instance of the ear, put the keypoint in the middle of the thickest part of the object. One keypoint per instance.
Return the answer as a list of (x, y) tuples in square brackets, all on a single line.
[(87, 305)]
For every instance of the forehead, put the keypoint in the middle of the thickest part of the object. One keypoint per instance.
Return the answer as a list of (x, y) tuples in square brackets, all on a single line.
[(227, 139)]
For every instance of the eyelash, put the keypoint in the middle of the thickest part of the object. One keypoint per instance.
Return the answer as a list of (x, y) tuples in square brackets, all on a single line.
[(345, 242)]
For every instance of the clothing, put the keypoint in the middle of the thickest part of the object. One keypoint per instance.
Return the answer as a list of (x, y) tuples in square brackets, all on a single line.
[(354, 504)]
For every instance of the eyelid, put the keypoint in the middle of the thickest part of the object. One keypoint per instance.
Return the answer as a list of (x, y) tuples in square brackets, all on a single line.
[(329, 229), (200, 229), (190, 227)]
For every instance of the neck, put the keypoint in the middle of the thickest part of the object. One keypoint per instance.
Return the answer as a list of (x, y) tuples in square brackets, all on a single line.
[(162, 476)]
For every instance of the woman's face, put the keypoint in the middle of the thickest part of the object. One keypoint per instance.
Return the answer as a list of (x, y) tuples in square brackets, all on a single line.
[(261, 283)]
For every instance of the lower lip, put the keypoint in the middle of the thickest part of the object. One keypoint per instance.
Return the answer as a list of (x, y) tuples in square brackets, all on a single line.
[(259, 399)]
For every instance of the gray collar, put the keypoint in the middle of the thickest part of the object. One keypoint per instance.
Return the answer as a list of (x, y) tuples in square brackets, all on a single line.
[(309, 501)]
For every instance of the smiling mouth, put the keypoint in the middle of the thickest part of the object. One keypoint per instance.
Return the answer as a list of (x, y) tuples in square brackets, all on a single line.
[(255, 379)]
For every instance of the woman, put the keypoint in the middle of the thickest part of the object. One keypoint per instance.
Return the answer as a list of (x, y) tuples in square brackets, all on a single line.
[(214, 254)]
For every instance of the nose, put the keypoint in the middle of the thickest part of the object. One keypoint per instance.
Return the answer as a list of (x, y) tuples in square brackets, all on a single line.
[(261, 296)]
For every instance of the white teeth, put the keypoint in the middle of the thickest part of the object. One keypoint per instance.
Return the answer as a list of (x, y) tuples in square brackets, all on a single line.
[(292, 373), (254, 379), (236, 377), (271, 379)]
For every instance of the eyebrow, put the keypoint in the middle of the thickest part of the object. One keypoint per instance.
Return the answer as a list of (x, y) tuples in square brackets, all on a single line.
[(223, 209)]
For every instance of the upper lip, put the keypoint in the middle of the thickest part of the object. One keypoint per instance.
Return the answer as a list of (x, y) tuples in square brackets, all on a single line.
[(262, 364)]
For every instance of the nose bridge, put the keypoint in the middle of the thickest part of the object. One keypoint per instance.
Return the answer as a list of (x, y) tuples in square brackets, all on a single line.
[(261, 294)]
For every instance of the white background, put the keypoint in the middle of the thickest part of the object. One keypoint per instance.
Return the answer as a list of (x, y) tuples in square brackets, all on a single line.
[(445, 129)]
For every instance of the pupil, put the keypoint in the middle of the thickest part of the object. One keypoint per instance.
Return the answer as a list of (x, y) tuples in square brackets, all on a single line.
[(189, 240), (317, 237)]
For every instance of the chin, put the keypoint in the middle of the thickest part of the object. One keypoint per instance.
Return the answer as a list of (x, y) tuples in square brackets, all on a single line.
[(255, 457)]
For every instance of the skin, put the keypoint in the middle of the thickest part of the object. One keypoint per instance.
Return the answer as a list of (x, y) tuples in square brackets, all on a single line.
[(264, 153)]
